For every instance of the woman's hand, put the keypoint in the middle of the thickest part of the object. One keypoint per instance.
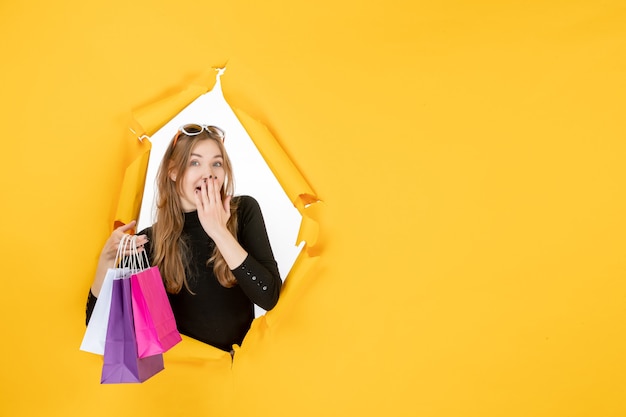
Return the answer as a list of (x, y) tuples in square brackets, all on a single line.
[(212, 211), (214, 214), (109, 251)]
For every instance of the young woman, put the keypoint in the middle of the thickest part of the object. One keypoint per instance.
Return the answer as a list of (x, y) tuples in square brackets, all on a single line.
[(212, 249)]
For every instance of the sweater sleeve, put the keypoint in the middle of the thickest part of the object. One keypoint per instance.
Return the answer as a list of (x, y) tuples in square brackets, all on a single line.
[(258, 275), (91, 303)]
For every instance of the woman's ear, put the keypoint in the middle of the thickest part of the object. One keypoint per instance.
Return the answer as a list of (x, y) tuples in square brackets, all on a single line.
[(173, 175)]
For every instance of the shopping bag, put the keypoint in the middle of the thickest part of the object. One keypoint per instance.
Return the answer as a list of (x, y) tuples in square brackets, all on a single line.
[(147, 338), (121, 361), (96, 332), (155, 325)]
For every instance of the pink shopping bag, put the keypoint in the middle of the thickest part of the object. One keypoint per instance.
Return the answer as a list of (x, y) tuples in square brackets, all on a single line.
[(155, 326), (148, 342)]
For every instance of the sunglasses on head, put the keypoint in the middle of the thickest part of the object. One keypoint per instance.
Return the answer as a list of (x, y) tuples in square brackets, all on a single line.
[(193, 129)]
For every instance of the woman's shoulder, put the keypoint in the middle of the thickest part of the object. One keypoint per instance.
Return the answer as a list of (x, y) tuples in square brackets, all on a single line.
[(147, 231), (247, 208), (246, 202)]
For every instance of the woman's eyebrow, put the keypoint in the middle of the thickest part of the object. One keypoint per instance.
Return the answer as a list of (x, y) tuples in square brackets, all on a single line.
[(219, 155)]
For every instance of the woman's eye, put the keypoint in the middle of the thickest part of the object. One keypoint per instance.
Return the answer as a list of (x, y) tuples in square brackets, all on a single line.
[(194, 163), (217, 164)]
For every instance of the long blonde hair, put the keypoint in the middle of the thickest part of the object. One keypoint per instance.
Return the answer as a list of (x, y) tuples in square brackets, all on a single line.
[(168, 248)]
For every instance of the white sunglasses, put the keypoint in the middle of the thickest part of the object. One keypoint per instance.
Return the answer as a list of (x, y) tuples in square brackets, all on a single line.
[(193, 129)]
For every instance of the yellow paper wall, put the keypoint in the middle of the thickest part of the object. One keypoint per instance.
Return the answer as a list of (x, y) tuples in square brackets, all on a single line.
[(470, 156)]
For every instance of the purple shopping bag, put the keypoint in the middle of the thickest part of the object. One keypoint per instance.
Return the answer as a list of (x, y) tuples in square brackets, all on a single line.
[(155, 325), (121, 362)]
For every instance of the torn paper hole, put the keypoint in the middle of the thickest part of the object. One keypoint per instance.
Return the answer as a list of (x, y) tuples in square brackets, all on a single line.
[(252, 175)]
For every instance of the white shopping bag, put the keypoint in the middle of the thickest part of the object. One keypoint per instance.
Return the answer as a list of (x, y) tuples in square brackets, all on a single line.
[(96, 332)]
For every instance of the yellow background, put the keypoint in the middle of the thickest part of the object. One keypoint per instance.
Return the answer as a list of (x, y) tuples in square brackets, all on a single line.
[(470, 156)]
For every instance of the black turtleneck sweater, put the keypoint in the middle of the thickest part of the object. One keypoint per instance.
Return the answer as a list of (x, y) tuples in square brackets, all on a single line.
[(217, 315)]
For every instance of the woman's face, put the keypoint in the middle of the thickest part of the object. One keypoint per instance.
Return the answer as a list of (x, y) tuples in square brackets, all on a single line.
[(206, 160)]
